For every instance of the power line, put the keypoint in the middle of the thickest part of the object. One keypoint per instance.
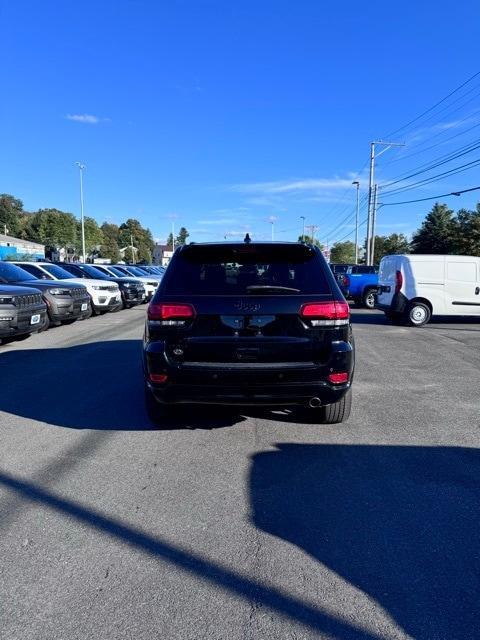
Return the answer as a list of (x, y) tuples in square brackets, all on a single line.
[(443, 195), (433, 146), (348, 217), (454, 171), (453, 155), (350, 232), (437, 104)]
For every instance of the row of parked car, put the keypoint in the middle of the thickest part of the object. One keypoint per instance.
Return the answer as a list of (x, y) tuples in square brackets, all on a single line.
[(37, 295)]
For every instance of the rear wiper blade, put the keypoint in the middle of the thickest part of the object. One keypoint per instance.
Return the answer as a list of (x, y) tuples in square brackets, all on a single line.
[(267, 288)]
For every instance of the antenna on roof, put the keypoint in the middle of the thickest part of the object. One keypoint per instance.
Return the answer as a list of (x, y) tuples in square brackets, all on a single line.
[(247, 239)]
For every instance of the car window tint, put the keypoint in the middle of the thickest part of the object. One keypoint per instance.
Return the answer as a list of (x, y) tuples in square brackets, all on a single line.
[(12, 273), (57, 272), (231, 270)]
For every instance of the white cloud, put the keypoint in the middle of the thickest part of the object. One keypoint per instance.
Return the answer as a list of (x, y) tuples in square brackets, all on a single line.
[(219, 221), (292, 186), (85, 118)]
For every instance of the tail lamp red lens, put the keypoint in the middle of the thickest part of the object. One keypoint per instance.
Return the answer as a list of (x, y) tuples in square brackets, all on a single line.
[(170, 311), (159, 378), (346, 281), (398, 281), (331, 310), (338, 378)]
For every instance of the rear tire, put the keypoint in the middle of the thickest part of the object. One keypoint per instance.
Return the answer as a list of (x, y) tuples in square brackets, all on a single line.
[(369, 298), (418, 314), (338, 411)]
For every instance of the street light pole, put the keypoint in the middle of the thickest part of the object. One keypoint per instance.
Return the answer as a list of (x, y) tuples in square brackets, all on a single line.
[(272, 220), (357, 184), (82, 168), (302, 218)]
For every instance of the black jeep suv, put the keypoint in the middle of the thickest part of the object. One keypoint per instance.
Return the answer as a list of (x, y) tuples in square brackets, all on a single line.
[(249, 324), (22, 311)]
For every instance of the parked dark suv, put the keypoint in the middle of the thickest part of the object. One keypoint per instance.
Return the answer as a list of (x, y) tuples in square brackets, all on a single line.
[(249, 324), (22, 311), (65, 302)]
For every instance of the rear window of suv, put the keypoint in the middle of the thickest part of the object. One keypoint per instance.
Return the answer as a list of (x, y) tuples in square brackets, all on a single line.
[(246, 269)]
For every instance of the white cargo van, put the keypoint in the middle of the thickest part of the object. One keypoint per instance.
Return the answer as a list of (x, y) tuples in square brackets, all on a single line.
[(412, 288)]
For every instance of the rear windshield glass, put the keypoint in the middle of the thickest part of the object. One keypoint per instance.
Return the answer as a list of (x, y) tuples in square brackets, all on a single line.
[(363, 269), (246, 269)]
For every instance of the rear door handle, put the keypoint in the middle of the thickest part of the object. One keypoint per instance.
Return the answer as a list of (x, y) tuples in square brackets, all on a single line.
[(477, 291)]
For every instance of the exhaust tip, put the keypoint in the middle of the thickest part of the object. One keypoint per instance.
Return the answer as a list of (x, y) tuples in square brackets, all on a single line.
[(314, 403)]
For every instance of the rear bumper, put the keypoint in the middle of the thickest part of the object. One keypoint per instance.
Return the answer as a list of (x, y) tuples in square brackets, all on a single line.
[(397, 305), (262, 384)]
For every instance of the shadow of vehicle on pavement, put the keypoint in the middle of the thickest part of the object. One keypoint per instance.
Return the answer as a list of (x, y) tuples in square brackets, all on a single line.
[(97, 385), (399, 523)]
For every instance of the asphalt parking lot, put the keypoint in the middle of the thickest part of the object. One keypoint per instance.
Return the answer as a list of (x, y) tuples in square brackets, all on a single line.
[(239, 525)]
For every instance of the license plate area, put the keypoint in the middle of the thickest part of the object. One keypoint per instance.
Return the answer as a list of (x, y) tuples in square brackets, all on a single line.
[(84, 306), (255, 350)]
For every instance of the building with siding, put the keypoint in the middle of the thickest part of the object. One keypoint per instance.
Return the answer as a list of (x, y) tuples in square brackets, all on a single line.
[(17, 248)]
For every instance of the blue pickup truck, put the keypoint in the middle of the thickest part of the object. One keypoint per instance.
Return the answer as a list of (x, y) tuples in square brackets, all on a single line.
[(360, 283)]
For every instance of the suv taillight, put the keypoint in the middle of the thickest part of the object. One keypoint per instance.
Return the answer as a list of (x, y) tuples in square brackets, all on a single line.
[(398, 281), (346, 281), (333, 313), (171, 312)]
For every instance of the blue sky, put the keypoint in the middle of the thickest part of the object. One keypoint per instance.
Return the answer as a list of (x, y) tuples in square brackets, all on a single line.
[(221, 115)]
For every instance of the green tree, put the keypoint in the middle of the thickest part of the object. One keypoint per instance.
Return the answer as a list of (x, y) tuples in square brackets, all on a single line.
[(110, 231), (93, 235), (310, 240), (144, 255), (343, 252), (395, 243), (53, 228), (110, 248), (182, 236), (128, 255), (467, 232), (438, 232), (170, 242), (132, 231), (11, 209)]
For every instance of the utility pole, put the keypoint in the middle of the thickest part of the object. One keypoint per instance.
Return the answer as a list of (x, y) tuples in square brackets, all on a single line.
[(173, 236), (133, 249), (303, 228), (82, 168), (313, 228), (357, 184), (387, 146), (374, 220)]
